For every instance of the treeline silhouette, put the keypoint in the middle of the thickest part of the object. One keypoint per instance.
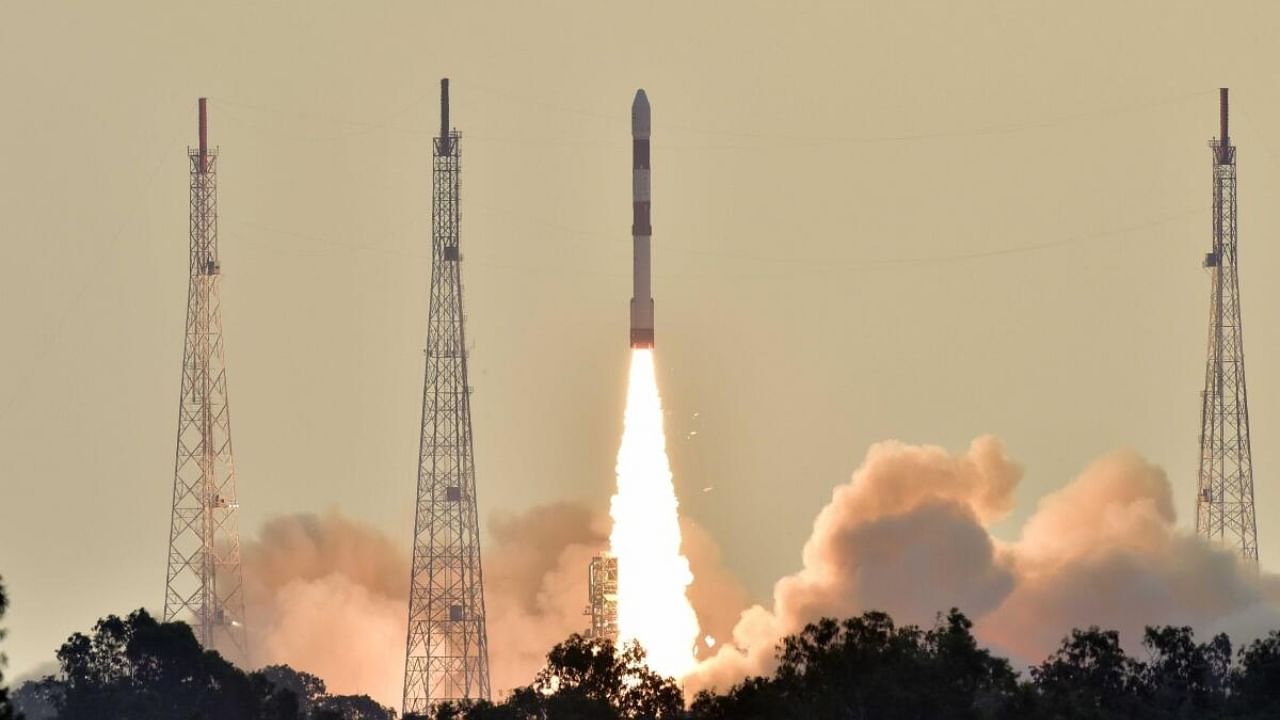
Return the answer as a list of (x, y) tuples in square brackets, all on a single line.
[(863, 668), (868, 668)]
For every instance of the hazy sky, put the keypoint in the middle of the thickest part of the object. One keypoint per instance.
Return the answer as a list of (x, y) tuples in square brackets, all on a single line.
[(913, 220)]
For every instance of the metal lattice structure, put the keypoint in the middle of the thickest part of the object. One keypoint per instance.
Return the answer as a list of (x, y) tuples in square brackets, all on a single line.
[(602, 597), (447, 655), (203, 584), (1224, 503)]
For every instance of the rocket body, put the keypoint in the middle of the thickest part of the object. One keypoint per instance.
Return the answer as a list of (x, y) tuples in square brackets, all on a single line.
[(641, 231)]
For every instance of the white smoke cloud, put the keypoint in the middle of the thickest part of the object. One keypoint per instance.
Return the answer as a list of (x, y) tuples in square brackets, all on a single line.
[(329, 596), (909, 535)]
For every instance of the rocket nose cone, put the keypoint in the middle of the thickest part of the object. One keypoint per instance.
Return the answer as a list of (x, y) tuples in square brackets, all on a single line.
[(640, 115)]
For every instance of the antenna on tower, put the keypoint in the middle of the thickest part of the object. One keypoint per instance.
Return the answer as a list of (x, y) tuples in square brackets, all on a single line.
[(1224, 500), (203, 584), (444, 115), (447, 650), (1224, 139), (204, 135)]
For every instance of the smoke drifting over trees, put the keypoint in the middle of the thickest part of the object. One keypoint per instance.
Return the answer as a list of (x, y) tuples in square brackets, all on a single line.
[(329, 596), (909, 533)]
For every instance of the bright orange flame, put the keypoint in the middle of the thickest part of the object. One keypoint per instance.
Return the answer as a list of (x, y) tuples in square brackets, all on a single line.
[(653, 575)]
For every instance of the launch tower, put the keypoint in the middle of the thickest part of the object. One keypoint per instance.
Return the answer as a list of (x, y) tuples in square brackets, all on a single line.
[(1224, 503), (602, 597), (203, 584), (447, 655)]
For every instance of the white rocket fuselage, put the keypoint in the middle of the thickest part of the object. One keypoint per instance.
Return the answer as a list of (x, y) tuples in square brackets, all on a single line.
[(642, 293)]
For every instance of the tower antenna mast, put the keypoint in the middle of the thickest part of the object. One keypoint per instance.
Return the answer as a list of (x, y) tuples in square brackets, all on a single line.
[(1224, 500), (447, 653), (204, 584)]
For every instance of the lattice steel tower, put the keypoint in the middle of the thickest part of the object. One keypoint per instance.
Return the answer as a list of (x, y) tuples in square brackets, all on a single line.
[(1224, 504), (204, 585), (447, 655)]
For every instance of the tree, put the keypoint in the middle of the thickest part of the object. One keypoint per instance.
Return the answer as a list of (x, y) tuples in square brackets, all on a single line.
[(964, 680), (756, 698), (1255, 683), (1089, 676), (583, 673), (582, 680), (350, 707), (866, 667), (6, 707), (140, 669), (1184, 679), (38, 699), (306, 688)]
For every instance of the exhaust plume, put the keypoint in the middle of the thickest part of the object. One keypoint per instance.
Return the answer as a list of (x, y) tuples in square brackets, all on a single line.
[(908, 535), (329, 596), (536, 586), (653, 574)]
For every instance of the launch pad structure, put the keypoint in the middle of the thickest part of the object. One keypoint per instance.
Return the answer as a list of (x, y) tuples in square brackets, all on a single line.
[(447, 649), (203, 584), (1224, 499), (602, 597)]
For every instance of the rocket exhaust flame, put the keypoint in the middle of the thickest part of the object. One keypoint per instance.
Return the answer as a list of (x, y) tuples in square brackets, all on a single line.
[(653, 574)]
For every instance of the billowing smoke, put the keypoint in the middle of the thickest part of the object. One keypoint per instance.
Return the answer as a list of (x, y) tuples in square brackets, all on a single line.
[(716, 595), (909, 535), (536, 585), (535, 576), (329, 596)]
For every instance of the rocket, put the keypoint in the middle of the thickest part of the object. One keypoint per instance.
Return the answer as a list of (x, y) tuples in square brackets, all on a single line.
[(641, 295)]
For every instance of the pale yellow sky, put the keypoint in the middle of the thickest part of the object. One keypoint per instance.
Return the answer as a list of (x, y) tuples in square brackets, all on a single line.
[(835, 187)]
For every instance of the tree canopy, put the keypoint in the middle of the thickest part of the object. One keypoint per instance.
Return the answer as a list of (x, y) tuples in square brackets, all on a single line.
[(863, 668), (867, 667), (6, 707), (141, 669), (584, 679)]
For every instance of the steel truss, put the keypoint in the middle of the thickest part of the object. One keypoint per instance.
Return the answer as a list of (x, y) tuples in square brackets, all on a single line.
[(447, 654), (204, 584), (1224, 502)]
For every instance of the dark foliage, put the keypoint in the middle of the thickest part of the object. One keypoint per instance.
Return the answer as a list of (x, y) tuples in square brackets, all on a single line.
[(306, 688), (862, 668), (141, 669), (1090, 676), (584, 680), (38, 699), (1255, 682), (866, 667), (6, 707), (350, 707), (136, 668)]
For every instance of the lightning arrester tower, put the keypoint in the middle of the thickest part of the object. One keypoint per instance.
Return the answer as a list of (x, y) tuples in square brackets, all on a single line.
[(447, 655), (203, 584), (1224, 503)]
